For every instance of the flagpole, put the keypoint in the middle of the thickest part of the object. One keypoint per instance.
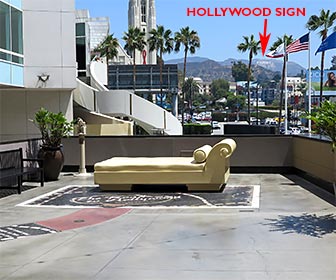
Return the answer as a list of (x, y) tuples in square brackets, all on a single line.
[(309, 84), (286, 93)]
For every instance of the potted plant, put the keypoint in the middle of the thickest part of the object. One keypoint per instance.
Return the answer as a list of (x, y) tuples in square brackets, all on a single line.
[(324, 118), (53, 128)]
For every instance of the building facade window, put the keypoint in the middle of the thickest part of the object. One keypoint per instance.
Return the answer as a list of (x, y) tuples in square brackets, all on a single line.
[(11, 42), (4, 26), (81, 48), (11, 33), (143, 11), (16, 31), (80, 29)]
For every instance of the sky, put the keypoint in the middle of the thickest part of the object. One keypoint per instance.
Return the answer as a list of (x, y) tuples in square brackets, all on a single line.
[(220, 36)]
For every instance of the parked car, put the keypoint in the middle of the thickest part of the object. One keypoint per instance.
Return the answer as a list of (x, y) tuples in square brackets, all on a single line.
[(294, 130), (215, 125)]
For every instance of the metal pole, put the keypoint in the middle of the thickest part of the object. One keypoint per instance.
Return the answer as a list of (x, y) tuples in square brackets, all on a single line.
[(309, 85), (286, 92), (257, 105), (191, 101)]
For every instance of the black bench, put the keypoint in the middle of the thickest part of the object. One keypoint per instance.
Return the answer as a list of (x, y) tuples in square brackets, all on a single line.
[(13, 169)]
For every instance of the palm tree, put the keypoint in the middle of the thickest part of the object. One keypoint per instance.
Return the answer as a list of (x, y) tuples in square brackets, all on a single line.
[(287, 40), (108, 47), (135, 40), (252, 46), (324, 21), (190, 87), (161, 41), (191, 41)]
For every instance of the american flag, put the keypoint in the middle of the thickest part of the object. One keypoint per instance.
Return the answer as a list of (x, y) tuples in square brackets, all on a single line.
[(301, 44)]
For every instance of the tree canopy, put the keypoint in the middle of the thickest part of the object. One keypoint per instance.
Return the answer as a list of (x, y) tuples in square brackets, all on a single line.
[(239, 71), (219, 88)]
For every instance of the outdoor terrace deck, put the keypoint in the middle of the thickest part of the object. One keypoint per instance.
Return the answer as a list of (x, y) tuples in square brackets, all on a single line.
[(291, 235)]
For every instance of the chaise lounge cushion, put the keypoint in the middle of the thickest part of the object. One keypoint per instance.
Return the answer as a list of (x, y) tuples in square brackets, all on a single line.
[(201, 154), (125, 164)]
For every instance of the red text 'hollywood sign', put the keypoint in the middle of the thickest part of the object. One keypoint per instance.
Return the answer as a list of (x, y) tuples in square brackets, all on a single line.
[(257, 12)]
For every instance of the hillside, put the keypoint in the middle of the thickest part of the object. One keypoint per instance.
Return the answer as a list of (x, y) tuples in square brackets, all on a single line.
[(209, 70), (270, 64)]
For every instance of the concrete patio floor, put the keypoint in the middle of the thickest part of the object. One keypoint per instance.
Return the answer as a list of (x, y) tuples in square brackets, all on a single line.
[(290, 236)]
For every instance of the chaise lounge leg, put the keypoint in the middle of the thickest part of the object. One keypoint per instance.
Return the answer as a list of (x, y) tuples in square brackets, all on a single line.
[(205, 187), (116, 187)]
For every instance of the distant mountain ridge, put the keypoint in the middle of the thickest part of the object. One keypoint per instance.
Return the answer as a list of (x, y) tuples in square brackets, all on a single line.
[(209, 70), (271, 64), (189, 60)]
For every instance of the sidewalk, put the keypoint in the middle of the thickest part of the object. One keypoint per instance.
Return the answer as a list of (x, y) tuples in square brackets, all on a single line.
[(290, 236)]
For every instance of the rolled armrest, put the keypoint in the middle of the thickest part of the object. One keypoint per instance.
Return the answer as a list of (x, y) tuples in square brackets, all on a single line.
[(221, 151), (200, 155), (227, 147)]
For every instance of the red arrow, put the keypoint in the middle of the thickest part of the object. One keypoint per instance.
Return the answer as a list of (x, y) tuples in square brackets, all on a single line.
[(264, 38)]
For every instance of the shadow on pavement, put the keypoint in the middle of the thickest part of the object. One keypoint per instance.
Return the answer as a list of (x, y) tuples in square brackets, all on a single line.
[(306, 224)]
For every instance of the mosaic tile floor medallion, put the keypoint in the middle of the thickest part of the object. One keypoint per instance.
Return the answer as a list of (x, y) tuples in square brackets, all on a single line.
[(90, 196), (19, 231)]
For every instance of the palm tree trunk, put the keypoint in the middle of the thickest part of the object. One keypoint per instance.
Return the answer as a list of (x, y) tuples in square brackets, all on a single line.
[(334, 173), (282, 91), (134, 71), (321, 79), (184, 75), (185, 65), (248, 90), (161, 80)]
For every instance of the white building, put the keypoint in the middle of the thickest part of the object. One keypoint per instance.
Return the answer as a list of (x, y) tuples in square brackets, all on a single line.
[(97, 28), (142, 14), (203, 87), (90, 32), (37, 63), (38, 68), (294, 83)]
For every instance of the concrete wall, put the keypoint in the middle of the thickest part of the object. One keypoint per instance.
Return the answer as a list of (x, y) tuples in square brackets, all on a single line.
[(109, 129), (314, 157), (251, 151), (49, 43), (311, 156), (18, 107)]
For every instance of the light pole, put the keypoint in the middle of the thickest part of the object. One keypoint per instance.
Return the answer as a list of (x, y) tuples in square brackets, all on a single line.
[(191, 101), (257, 107)]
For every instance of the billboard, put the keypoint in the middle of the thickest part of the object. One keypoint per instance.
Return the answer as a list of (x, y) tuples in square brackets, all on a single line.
[(329, 80), (329, 85)]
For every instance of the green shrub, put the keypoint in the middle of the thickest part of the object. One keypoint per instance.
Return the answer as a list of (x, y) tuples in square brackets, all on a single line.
[(52, 127), (218, 116), (196, 128), (324, 118), (231, 117)]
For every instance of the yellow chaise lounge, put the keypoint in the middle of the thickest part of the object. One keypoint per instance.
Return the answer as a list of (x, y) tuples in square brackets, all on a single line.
[(207, 170)]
